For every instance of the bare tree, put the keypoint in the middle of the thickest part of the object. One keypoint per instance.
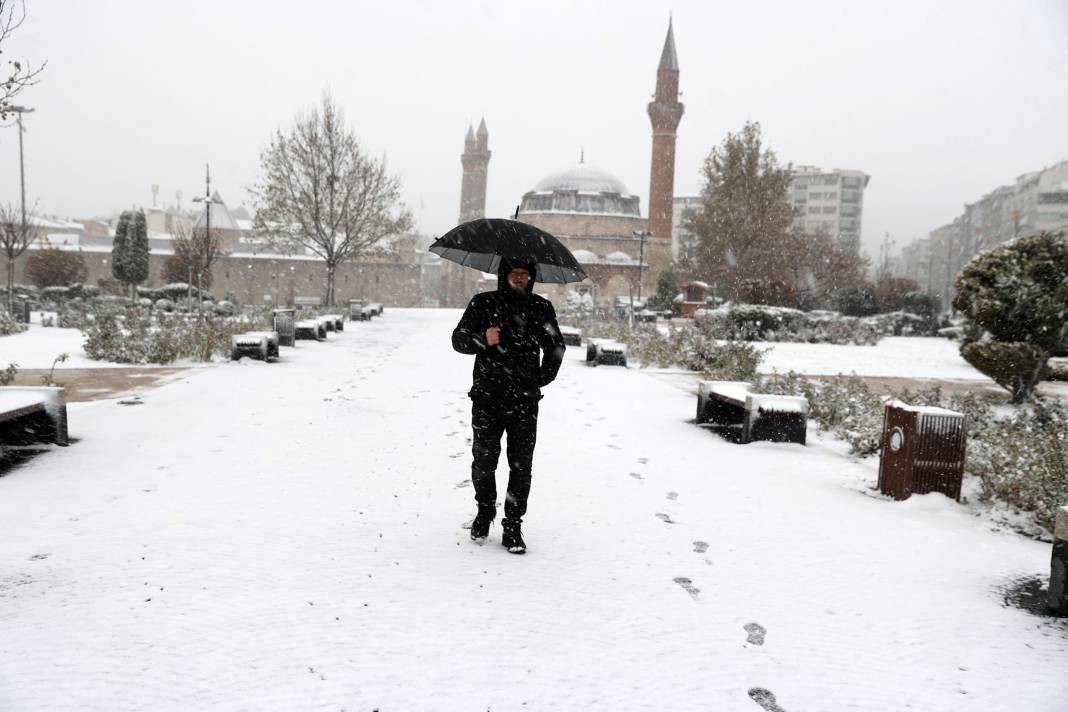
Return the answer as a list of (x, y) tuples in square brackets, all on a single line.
[(194, 257), (15, 237), (320, 191), (19, 75)]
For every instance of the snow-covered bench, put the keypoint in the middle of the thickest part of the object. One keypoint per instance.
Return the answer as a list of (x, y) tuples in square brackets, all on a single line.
[(328, 321), (376, 308), (32, 414), (361, 313), (257, 344), (605, 352), (572, 335), (334, 322), (762, 416), (310, 329), (1058, 577)]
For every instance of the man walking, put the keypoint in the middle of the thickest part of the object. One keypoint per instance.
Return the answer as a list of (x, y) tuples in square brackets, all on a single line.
[(507, 331)]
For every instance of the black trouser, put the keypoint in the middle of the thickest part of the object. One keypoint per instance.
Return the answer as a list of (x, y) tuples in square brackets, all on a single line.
[(520, 421)]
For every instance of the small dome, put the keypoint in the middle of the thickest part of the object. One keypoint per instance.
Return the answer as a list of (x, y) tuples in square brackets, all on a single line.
[(584, 178), (584, 256), (618, 257)]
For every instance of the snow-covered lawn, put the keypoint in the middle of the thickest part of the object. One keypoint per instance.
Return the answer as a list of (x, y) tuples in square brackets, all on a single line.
[(289, 536), (899, 356), (38, 346)]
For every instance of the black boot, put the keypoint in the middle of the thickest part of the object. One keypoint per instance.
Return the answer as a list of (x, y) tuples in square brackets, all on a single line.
[(480, 526), (512, 539)]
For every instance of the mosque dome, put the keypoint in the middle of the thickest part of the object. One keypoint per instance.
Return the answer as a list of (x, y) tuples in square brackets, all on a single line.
[(584, 256), (584, 189), (584, 178)]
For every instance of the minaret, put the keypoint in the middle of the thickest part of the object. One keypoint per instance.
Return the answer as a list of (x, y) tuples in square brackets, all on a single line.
[(475, 160), (665, 112)]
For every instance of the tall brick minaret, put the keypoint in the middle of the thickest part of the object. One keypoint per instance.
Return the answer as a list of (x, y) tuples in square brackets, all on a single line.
[(665, 112), (475, 160)]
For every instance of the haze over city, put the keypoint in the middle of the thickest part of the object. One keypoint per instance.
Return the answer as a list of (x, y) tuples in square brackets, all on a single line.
[(938, 104)]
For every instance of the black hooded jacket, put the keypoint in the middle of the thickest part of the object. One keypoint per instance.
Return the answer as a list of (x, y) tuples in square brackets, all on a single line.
[(513, 371)]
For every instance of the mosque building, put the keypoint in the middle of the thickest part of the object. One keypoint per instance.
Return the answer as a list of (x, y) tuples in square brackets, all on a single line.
[(590, 210)]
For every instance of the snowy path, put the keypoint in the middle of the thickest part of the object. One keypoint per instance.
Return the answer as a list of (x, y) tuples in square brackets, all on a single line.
[(288, 536)]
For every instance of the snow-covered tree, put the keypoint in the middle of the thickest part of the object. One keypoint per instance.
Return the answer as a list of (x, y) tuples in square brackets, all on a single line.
[(129, 250), (119, 250), (1018, 293), (320, 191), (744, 215)]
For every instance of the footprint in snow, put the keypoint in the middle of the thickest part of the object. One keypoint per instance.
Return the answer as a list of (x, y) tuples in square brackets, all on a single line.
[(643, 460), (635, 475), (463, 483), (700, 546), (672, 496), (459, 454), (39, 557), (687, 584), (756, 633), (666, 518), (613, 446), (765, 698)]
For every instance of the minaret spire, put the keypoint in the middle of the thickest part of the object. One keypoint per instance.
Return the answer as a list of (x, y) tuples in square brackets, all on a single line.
[(665, 112), (475, 160)]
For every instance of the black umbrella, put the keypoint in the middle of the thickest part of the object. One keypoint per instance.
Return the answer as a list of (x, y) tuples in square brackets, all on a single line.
[(481, 244)]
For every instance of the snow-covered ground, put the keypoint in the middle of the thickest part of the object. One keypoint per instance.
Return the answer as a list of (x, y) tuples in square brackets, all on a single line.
[(289, 536)]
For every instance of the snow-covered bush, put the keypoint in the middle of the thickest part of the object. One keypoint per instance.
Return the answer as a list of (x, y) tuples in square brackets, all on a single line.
[(165, 305), (899, 323), (754, 322), (137, 338), (1023, 460), (8, 325), (7, 375)]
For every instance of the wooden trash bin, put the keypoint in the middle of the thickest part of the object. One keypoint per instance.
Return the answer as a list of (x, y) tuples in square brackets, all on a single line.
[(921, 450)]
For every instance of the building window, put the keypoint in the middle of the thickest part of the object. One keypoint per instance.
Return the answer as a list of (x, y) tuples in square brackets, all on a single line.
[(829, 209)]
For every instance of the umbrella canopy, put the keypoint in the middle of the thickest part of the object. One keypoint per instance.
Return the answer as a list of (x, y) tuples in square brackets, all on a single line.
[(480, 244)]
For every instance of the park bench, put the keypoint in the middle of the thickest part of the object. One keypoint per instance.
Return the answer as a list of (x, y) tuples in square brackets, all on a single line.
[(605, 352), (328, 322), (335, 322), (572, 335), (376, 308), (310, 329), (257, 344), (762, 416), (32, 414)]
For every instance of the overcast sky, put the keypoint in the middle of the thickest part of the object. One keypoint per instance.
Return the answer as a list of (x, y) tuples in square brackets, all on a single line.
[(938, 102)]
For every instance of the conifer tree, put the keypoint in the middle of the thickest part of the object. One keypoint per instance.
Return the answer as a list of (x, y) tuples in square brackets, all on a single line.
[(137, 250), (118, 247)]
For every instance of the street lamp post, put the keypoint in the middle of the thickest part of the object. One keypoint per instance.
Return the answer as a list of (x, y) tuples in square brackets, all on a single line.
[(208, 202), (641, 235)]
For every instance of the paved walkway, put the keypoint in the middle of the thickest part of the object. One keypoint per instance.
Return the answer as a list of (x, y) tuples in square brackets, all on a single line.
[(289, 536)]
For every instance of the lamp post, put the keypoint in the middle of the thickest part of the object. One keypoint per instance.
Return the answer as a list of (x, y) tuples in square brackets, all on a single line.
[(641, 235), (208, 202), (19, 111)]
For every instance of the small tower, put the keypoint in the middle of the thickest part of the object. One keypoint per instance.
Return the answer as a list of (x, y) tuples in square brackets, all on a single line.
[(475, 160), (665, 112)]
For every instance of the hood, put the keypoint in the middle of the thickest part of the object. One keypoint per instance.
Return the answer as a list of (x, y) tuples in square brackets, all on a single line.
[(507, 265)]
